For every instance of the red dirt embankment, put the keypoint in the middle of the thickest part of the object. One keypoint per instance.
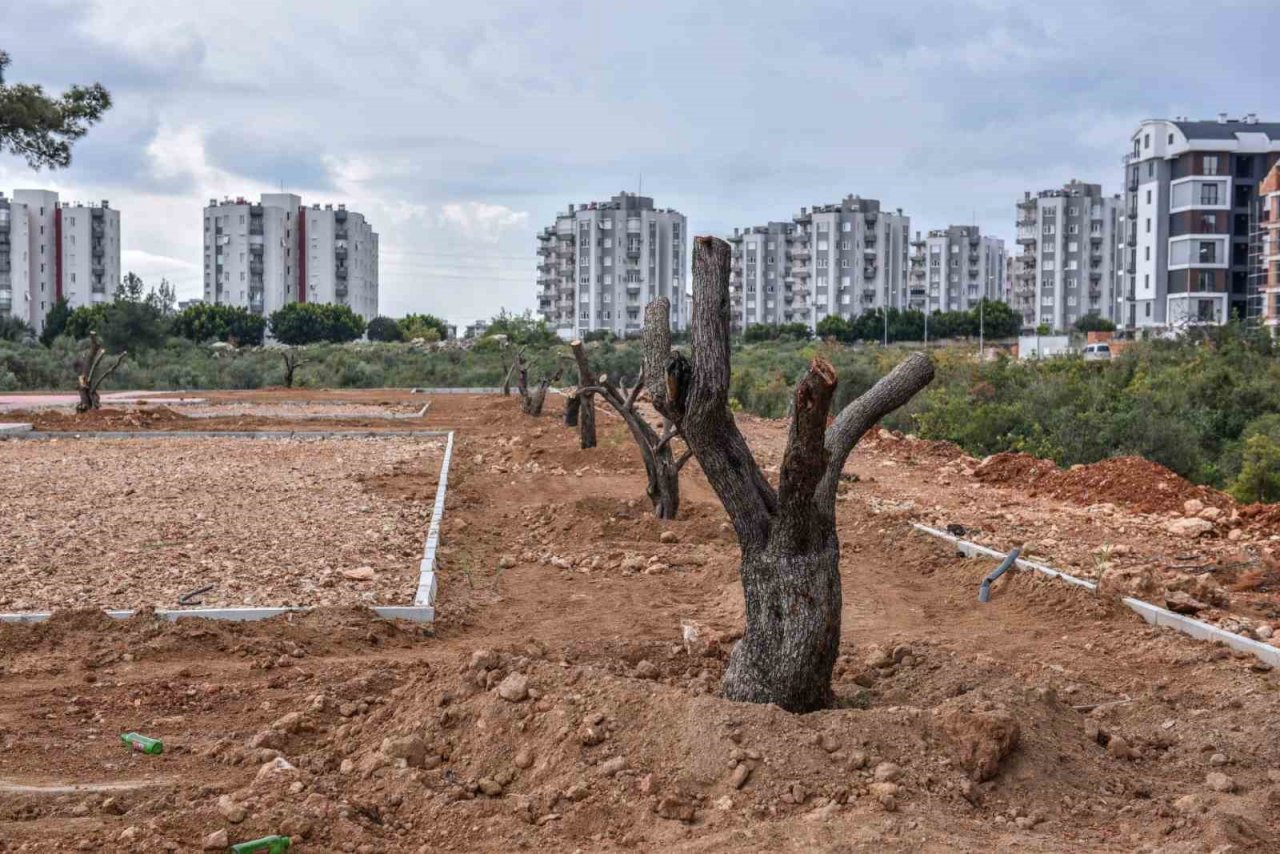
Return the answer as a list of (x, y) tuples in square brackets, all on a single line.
[(1132, 482)]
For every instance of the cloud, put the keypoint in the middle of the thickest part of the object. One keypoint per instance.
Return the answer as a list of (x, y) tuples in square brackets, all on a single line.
[(461, 129)]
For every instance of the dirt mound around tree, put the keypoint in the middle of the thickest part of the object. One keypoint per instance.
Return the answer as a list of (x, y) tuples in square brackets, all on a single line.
[(625, 743), (139, 418), (1135, 483)]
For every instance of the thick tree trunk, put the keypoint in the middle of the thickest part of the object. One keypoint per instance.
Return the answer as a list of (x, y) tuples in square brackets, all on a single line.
[(90, 374), (572, 404), (790, 553), (587, 410), (792, 638)]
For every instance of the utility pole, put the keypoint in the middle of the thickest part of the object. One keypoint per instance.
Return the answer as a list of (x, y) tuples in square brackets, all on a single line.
[(926, 327), (886, 326), (981, 328)]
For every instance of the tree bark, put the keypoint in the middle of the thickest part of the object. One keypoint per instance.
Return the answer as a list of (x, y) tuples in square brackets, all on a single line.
[(90, 374), (572, 404), (790, 567), (587, 407)]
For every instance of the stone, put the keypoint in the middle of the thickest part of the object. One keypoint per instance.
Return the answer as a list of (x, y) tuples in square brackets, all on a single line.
[(675, 808), (515, 688), (887, 772), (523, 758), (668, 537), (1218, 759), (1219, 782), (646, 670), (1192, 506), (410, 749), (276, 770), (489, 786), (230, 810), (1190, 528), (216, 841), (1264, 631), (296, 826), (506, 562), (1235, 534), (360, 573), (740, 775), (1181, 602), (1210, 513), (610, 767), (878, 656), (886, 794)]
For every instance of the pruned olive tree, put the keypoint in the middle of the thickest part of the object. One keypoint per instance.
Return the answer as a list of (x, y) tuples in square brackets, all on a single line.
[(532, 399), (579, 408), (90, 374), (661, 464), (790, 565)]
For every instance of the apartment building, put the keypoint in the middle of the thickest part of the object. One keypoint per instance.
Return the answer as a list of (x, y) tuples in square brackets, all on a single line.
[(843, 259), (1020, 286), (952, 269), (602, 262), (51, 250), (1264, 268), (1190, 189), (263, 255), (1070, 245)]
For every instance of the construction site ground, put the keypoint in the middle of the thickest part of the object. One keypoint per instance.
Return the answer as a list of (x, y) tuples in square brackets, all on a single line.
[(565, 697)]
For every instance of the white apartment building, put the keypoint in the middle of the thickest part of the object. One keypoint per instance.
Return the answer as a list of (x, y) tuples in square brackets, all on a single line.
[(843, 259), (1190, 194), (51, 250), (602, 262), (1069, 240), (953, 269), (263, 255)]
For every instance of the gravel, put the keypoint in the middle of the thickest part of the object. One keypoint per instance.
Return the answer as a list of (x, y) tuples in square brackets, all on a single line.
[(136, 523)]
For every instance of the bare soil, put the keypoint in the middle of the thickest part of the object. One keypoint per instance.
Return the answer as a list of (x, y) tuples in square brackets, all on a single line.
[(565, 698)]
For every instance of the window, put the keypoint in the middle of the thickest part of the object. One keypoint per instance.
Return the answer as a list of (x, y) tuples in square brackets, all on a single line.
[(1208, 252), (1146, 140), (1208, 194), (1148, 258), (1151, 168), (1148, 225), (1210, 164), (844, 244), (846, 226), (844, 262), (1148, 197)]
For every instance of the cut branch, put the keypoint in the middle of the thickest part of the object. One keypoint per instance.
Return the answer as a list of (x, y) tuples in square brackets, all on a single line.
[(586, 406), (89, 376)]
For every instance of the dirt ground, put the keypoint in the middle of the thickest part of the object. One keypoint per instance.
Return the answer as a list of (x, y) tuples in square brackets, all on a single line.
[(564, 700), (135, 523)]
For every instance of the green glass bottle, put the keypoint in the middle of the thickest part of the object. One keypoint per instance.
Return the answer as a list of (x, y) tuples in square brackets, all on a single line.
[(142, 744), (267, 844)]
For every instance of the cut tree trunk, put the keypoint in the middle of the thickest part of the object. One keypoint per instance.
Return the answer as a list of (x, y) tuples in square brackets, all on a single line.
[(790, 567), (586, 415), (90, 374), (572, 404)]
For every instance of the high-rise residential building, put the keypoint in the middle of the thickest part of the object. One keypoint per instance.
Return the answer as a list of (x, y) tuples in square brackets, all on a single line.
[(1264, 267), (1069, 240), (51, 250), (953, 268), (1020, 286), (842, 259), (1190, 187), (602, 262), (263, 255)]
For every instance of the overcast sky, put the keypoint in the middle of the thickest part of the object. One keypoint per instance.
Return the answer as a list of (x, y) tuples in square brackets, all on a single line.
[(460, 129)]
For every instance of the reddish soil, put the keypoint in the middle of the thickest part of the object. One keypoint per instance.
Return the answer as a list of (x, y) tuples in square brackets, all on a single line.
[(162, 418), (1047, 720)]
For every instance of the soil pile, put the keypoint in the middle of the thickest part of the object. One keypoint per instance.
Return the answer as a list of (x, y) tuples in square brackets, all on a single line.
[(1133, 482), (140, 418)]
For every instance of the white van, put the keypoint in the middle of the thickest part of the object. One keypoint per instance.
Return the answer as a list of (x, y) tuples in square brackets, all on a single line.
[(1097, 353)]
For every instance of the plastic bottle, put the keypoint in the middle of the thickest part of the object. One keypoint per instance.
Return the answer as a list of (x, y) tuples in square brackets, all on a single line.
[(142, 744), (267, 844)]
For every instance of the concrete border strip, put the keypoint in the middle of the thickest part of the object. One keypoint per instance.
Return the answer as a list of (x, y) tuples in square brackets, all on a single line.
[(426, 594), (421, 611), (228, 434), (1152, 614)]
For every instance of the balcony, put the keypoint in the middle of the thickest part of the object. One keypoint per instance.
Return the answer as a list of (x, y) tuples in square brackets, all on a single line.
[(340, 252), (1027, 233), (799, 254), (255, 268), (633, 250), (871, 217), (869, 272), (340, 234), (1131, 240), (1132, 186), (870, 239), (799, 236), (1132, 212), (800, 272)]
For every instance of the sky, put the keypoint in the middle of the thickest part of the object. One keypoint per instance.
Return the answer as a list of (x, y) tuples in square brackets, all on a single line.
[(461, 129)]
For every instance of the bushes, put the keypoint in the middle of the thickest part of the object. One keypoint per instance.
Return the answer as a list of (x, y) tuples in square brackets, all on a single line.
[(383, 329), (210, 322), (428, 327), (310, 323)]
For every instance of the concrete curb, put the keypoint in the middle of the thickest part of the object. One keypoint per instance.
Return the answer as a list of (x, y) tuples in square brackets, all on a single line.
[(1153, 614), (231, 434), (426, 594), (421, 611)]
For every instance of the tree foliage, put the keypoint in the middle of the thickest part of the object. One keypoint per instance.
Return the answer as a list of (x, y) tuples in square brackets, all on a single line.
[(55, 322), (310, 323), (13, 328), (425, 326), (41, 128), (384, 329), (523, 329), (1094, 323), (204, 322)]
